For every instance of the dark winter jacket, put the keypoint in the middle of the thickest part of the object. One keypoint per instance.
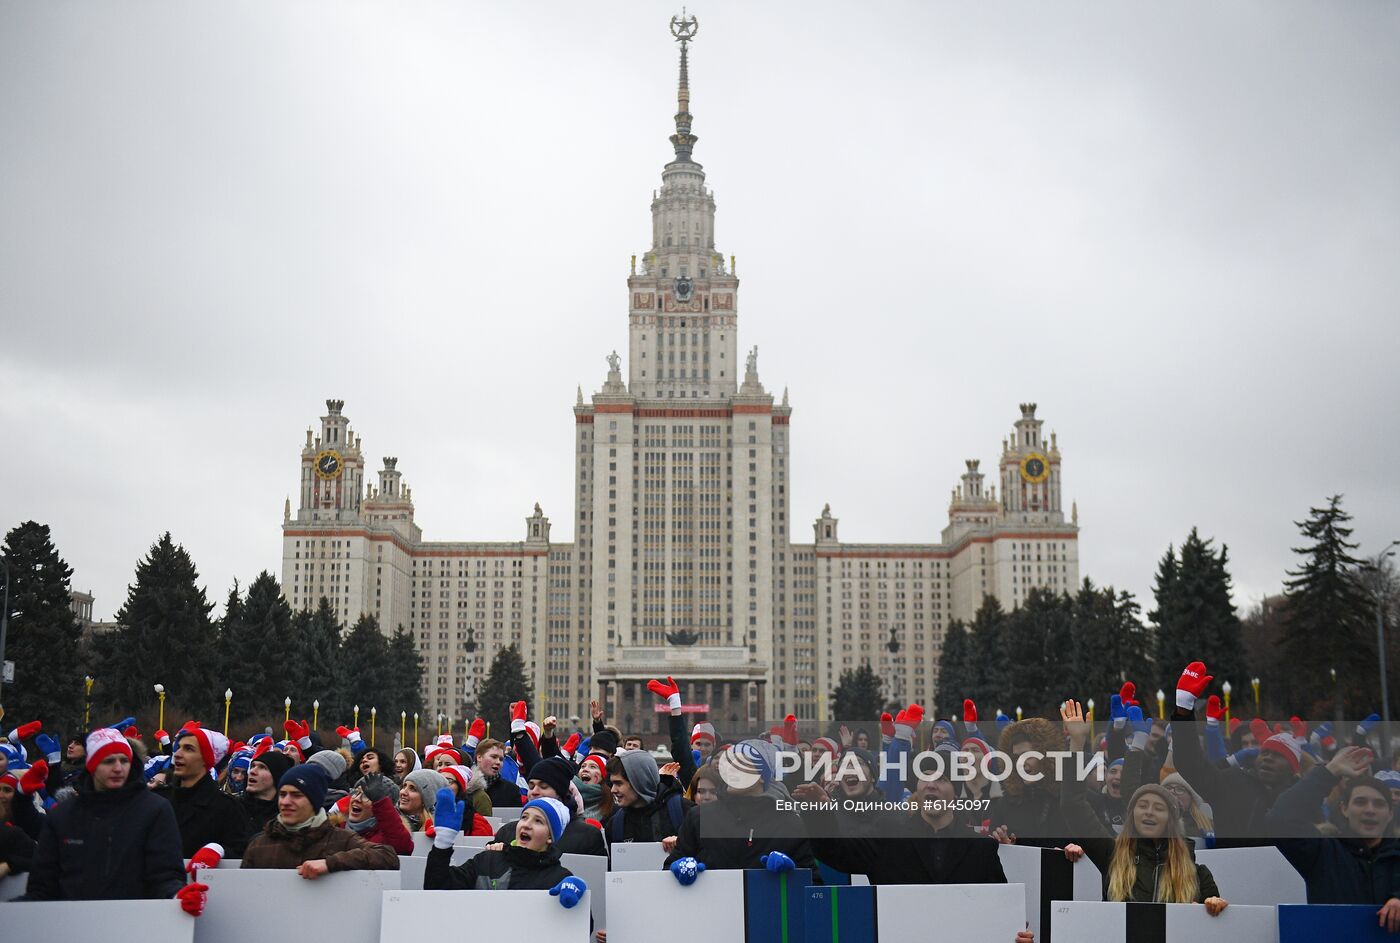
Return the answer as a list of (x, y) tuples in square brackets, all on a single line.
[(515, 868), (1033, 816), (651, 822), (16, 848), (734, 833), (1098, 842), (579, 838), (26, 815), (257, 811), (117, 845), (503, 795), (1238, 800), (343, 850), (953, 855), (1335, 870), (205, 814)]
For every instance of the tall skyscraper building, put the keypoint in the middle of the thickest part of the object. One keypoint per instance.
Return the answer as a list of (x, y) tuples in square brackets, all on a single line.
[(682, 562)]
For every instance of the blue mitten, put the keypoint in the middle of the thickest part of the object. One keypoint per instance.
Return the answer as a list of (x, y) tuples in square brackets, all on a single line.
[(447, 818), (50, 748), (569, 891), (1116, 712), (1140, 727), (124, 723), (695, 757), (777, 862), (1367, 725), (1244, 759), (686, 870), (1002, 721)]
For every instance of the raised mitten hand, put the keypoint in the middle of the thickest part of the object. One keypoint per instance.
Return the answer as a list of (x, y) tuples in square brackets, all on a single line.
[(1128, 692), (886, 726), (192, 898), (906, 721), (668, 691), (207, 857), (33, 779), (124, 723), (300, 732), (776, 862), (349, 733), (686, 870), (1140, 727), (49, 747), (163, 738), (25, 731), (518, 712), (969, 714), (1191, 685), (474, 734), (571, 744), (1215, 712), (569, 891)]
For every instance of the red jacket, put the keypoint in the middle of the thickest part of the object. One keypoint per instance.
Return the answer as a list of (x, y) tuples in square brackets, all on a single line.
[(389, 828)]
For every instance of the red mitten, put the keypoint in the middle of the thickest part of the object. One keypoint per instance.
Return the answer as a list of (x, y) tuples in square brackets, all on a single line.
[(668, 691), (519, 710), (163, 738), (1215, 711), (131, 733), (262, 747), (34, 778), (886, 726), (192, 898), (969, 714), (475, 732), (349, 733), (906, 721), (571, 744), (1192, 685), (25, 731), (300, 732), (1261, 731), (1299, 728), (790, 730), (207, 857), (1128, 692)]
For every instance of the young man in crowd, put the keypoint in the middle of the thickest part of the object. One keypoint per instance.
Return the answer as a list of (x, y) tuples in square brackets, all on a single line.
[(301, 837), (646, 808), (204, 813), (490, 755), (259, 798)]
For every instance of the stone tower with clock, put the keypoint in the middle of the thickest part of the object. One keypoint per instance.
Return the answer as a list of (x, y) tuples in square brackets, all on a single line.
[(332, 470)]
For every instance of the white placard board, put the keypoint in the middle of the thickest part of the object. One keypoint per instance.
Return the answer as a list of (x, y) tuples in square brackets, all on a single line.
[(495, 821), (503, 814), (1107, 922), (64, 921), (228, 864), (344, 906), (968, 913), (522, 915), (13, 886), (640, 902), (593, 870), (637, 856), (422, 843), (1022, 864), (413, 867), (1254, 875)]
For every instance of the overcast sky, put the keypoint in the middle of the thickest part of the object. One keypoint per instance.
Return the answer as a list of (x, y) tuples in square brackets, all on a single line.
[(1174, 226)]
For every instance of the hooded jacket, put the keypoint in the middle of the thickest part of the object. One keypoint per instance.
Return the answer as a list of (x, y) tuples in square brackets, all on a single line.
[(1335, 870), (653, 821), (204, 814), (117, 845), (343, 850), (735, 832), (514, 868)]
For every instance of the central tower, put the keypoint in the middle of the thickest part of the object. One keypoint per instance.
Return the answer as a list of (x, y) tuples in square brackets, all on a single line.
[(683, 301)]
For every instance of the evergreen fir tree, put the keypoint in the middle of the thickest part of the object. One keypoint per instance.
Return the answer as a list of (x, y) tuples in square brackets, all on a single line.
[(1110, 643), (954, 670), (859, 695), (1330, 620), (405, 674), (165, 637), (364, 661), (317, 669), (238, 667), (1040, 636), (989, 677), (268, 621), (1195, 618), (505, 683), (43, 634)]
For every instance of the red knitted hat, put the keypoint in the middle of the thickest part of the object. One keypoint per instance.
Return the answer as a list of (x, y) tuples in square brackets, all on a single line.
[(102, 743)]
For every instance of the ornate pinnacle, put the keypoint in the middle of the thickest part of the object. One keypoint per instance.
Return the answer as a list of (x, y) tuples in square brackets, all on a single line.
[(683, 28)]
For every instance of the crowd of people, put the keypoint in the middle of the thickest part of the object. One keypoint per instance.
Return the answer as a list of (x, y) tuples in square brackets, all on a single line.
[(108, 815)]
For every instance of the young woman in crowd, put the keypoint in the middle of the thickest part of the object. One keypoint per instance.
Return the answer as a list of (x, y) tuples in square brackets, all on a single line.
[(1151, 860), (372, 814)]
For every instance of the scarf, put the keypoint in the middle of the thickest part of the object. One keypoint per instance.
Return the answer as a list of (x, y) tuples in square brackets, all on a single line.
[(318, 819), (361, 827)]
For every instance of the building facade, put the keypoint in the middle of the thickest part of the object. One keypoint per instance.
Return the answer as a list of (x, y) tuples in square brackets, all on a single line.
[(682, 561)]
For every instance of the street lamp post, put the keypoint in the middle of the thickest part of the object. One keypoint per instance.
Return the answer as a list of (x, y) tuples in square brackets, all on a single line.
[(287, 706), (373, 714), (87, 700), (415, 731), (228, 699), (160, 693), (1254, 682), (1225, 689), (1161, 704), (1380, 646), (316, 714)]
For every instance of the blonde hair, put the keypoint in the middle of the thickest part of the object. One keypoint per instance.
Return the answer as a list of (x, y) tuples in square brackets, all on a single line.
[(1178, 883)]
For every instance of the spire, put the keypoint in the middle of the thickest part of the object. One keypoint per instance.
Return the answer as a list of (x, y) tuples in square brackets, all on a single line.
[(683, 28)]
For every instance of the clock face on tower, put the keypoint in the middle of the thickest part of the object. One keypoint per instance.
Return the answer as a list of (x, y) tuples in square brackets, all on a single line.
[(328, 464), (684, 286), (1034, 468)]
